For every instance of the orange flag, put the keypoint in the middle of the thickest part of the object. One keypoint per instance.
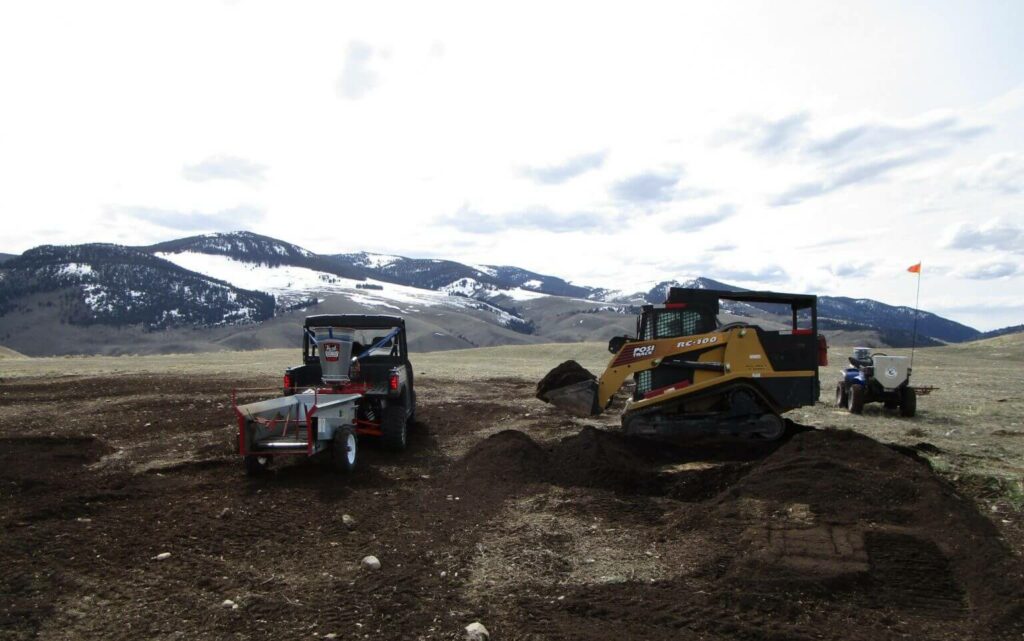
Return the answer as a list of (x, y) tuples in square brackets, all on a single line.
[(914, 269)]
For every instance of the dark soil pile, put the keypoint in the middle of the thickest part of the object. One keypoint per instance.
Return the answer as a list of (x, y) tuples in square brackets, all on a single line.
[(929, 549), (567, 373), (508, 456), (880, 533), (843, 474), (596, 458)]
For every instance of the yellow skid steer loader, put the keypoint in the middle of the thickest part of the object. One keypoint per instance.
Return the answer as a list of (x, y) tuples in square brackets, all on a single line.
[(696, 376)]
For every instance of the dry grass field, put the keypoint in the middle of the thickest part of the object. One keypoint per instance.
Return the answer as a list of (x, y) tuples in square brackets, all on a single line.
[(505, 511)]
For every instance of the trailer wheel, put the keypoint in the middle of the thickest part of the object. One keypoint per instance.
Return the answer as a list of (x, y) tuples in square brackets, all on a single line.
[(255, 465), (856, 399), (908, 401), (395, 426), (840, 395), (343, 450)]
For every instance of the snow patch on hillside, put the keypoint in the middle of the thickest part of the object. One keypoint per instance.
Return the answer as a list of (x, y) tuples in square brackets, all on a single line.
[(255, 276), (521, 294), (76, 269), (466, 287), (294, 284), (378, 261), (490, 271)]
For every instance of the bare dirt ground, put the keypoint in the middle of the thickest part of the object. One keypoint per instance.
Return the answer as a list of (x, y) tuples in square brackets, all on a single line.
[(502, 511)]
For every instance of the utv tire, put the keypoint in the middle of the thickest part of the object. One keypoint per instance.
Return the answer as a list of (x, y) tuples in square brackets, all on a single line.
[(256, 465), (855, 401), (908, 401), (840, 395), (344, 450), (395, 427)]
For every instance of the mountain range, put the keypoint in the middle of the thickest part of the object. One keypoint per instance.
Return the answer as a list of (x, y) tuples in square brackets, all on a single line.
[(241, 290)]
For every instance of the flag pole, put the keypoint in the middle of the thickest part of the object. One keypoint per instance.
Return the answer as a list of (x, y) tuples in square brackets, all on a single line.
[(917, 306)]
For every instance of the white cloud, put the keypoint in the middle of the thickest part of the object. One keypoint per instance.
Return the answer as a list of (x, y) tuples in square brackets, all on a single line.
[(648, 186), (225, 168), (241, 217), (358, 77), (1003, 173), (994, 235), (989, 270), (566, 170), (694, 222)]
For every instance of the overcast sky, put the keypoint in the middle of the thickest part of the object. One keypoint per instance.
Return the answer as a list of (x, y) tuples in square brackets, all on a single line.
[(791, 146)]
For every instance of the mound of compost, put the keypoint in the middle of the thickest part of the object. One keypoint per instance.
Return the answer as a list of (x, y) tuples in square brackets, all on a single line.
[(597, 458), (508, 456), (565, 374)]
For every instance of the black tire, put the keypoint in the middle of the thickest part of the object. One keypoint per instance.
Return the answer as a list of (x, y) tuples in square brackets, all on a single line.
[(855, 402), (344, 450), (891, 405), (395, 427), (256, 465), (908, 401), (840, 395)]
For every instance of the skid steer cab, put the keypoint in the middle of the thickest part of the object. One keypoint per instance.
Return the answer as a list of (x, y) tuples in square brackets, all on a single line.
[(355, 381)]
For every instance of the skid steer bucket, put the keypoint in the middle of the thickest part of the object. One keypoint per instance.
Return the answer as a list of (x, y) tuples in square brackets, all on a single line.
[(579, 399)]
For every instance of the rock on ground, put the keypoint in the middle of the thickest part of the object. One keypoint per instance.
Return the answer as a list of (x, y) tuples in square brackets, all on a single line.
[(370, 562), (477, 632)]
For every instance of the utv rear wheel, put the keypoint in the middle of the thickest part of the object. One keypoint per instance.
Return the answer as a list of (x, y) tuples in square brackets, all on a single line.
[(394, 427), (855, 402), (908, 401), (840, 395), (343, 450), (256, 465)]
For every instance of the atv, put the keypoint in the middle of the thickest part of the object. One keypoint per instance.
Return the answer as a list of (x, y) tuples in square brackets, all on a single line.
[(876, 378)]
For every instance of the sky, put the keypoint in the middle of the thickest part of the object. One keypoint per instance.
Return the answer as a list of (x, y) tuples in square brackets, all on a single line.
[(793, 146)]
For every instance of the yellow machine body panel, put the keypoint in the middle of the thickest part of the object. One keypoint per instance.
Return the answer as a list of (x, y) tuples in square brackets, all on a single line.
[(734, 354)]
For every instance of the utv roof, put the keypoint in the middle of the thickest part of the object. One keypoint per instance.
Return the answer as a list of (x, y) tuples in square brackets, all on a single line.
[(711, 297), (354, 321)]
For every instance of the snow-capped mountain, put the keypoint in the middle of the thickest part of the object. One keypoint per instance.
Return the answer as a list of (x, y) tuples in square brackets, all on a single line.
[(482, 280), (871, 313), (297, 277), (248, 247), (116, 285), (232, 279)]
